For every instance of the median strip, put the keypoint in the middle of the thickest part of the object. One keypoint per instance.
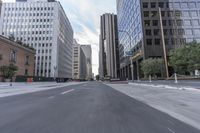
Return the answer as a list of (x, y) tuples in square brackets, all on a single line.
[(67, 91)]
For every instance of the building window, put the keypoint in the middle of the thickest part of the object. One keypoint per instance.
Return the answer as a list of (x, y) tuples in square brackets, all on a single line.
[(148, 32), (164, 22), (187, 23), (155, 22), (26, 72), (157, 41), (145, 5), (146, 13), (174, 41), (170, 14), (177, 5), (153, 5), (167, 5), (172, 32), (197, 32), (170, 22), (161, 4), (179, 22), (165, 32), (194, 14), (182, 40), (166, 41), (154, 13), (184, 5), (181, 31), (178, 14), (156, 32), (27, 60), (163, 13), (195, 22), (147, 22), (149, 41), (13, 56), (192, 5)]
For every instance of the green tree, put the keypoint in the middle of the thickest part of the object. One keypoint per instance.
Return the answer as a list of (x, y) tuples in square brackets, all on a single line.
[(194, 57), (179, 60), (186, 59), (8, 71), (153, 67)]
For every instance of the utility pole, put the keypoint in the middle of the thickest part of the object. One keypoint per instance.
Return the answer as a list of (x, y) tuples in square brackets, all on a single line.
[(163, 43)]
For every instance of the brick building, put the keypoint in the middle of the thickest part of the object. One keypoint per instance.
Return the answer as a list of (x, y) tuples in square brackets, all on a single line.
[(14, 53)]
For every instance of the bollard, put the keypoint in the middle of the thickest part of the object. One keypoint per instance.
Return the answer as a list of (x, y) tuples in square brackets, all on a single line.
[(176, 79), (138, 79), (150, 79)]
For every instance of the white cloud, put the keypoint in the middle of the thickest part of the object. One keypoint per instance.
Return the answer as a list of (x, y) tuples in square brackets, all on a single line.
[(88, 17)]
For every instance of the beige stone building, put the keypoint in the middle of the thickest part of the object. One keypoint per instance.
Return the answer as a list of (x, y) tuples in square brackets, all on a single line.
[(79, 63), (14, 53)]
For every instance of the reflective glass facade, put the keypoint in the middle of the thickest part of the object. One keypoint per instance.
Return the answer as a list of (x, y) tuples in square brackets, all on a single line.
[(140, 18), (186, 15), (180, 20), (129, 20)]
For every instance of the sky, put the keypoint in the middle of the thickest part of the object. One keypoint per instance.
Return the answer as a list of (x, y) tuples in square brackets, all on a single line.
[(84, 16)]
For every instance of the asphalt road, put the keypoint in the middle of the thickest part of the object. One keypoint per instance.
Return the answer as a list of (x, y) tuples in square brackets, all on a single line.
[(88, 108)]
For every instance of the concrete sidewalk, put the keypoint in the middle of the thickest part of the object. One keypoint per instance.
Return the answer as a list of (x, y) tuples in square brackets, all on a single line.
[(181, 104), (195, 84), (23, 88)]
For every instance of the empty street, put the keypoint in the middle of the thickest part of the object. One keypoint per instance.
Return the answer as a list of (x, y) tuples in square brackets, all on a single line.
[(91, 107)]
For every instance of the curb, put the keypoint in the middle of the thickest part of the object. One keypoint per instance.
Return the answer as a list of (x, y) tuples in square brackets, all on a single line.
[(166, 86)]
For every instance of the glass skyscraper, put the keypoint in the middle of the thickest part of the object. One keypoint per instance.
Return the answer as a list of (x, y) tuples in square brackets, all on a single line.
[(141, 19)]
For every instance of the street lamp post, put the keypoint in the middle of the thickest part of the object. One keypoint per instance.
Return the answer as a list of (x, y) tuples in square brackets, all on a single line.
[(130, 50)]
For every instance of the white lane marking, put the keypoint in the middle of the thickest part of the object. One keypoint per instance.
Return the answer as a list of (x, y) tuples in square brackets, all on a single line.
[(67, 91), (171, 130), (171, 122), (51, 97)]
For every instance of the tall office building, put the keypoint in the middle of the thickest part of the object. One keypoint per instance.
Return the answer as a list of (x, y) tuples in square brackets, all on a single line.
[(79, 63), (141, 19), (109, 52), (87, 50), (43, 25)]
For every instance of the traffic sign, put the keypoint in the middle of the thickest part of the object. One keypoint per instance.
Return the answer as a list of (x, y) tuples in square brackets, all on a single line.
[(129, 53)]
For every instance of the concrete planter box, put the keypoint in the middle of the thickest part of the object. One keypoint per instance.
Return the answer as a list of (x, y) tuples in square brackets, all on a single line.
[(7, 80)]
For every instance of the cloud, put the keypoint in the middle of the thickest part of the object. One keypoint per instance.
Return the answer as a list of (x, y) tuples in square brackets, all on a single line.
[(84, 16)]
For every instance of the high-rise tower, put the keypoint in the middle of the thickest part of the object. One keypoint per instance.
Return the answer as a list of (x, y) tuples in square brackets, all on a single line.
[(108, 54)]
